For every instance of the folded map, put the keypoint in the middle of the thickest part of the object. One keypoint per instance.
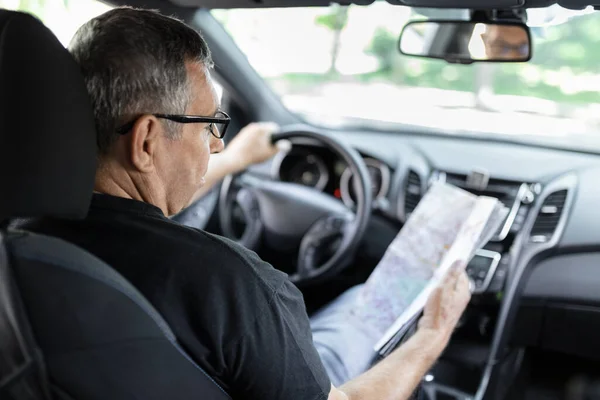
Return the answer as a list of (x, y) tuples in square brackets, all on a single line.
[(448, 225)]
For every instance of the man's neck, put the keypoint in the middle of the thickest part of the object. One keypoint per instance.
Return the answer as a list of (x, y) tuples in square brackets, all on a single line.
[(111, 188), (116, 182)]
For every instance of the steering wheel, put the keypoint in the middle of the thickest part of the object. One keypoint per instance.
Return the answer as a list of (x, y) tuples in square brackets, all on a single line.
[(294, 217)]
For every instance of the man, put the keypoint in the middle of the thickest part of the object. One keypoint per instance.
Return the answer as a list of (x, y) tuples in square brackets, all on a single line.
[(239, 318), (505, 42)]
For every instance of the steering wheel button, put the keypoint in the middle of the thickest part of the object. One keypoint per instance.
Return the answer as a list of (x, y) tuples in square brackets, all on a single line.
[(333, 223)]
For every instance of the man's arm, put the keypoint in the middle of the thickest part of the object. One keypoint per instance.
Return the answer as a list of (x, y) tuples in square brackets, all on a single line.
[(251, 146), (397, 376)]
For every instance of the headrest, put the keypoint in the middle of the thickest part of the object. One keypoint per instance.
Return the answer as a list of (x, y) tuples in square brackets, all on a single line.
[(47, 133)]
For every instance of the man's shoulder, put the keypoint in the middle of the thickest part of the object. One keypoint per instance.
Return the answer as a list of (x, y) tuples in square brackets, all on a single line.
[(191, 256), (232, 260)]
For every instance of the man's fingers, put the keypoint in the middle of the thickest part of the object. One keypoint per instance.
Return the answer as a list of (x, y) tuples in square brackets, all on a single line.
[(458, 266), (452, 275), (456, 287), (457, 281), (447, 302), (270, 127), (454, 272), (463, 291), (432, 307), (434, 297), (266, 127), (462, 282), (457, 271), (284, 145)]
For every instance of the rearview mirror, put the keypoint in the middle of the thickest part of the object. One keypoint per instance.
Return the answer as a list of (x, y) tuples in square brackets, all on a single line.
[(466, 42)]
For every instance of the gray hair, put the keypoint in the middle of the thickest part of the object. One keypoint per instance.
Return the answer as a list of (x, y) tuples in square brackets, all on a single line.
[(133, 62)]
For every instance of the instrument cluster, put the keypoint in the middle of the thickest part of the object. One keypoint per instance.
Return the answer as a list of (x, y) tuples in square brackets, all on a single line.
[(321, 169)]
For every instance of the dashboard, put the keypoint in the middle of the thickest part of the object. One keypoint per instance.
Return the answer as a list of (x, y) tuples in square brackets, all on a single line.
[(540, 272), (403, 165), (397, 190)]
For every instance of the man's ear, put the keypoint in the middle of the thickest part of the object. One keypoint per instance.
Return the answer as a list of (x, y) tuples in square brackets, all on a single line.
[(144, 142)]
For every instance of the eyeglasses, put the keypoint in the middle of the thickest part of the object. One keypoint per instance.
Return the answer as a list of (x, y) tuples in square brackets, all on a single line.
[(504, 48), (218, 123)]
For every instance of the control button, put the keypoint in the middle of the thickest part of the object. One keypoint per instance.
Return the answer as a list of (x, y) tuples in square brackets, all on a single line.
[(497, 283), (539, 239), (528, 197), (501, 274), (519, 218), (334, 224), (482, 274)]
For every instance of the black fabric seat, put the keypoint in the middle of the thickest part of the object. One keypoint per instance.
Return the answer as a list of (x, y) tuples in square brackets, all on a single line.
[(21, 368), (70, 326)]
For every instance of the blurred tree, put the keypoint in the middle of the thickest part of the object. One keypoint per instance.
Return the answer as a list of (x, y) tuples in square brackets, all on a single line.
[(335, 20), (568, 47), (39, 8), (32, 6), (383, 46)]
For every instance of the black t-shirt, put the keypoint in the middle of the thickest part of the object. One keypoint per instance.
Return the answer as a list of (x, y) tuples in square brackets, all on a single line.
[(239, 318)]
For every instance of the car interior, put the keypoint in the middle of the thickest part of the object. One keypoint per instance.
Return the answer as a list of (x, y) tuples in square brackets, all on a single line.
[(325, 211)]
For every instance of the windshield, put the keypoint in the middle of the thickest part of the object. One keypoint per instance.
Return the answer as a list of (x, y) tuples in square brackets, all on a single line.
[(62, 17), (339, 66)]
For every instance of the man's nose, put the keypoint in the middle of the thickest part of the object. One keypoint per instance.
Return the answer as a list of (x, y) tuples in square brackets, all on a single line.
[(216, 145)]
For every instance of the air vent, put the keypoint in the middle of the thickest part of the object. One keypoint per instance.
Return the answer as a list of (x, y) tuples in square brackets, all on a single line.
[(413, 192), (548, 217)]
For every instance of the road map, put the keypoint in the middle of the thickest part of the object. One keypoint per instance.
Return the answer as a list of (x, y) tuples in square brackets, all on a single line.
[(449, 224)]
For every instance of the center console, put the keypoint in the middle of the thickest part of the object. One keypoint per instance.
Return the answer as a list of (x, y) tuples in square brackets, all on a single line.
[(459, 372)]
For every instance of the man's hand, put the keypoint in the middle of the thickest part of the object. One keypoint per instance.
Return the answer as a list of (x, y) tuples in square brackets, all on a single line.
[(397, 376), (252, 145), (446, 305)]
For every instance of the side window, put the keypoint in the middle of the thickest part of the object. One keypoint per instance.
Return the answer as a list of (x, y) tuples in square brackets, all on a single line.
[(228, 104), (62, 17), (220, 90)]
